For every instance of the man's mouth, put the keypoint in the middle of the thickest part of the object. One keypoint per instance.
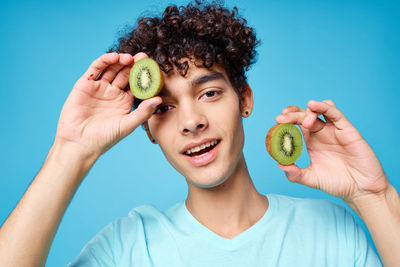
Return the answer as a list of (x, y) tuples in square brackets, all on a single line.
[(202, 149)]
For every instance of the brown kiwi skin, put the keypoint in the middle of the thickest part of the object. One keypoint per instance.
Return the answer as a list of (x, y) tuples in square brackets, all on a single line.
[(268, 140)]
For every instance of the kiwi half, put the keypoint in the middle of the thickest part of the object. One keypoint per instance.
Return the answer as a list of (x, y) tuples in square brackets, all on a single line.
[(284, 143), (145, 78)]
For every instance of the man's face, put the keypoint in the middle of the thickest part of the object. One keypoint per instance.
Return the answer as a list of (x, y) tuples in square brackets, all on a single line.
[(198, 125)]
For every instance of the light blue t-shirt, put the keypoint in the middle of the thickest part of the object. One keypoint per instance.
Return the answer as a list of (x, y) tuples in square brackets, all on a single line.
[(293, 232)]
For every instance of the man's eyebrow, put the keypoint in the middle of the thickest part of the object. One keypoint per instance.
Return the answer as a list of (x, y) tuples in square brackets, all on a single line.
[(208, 77), (200, 80)]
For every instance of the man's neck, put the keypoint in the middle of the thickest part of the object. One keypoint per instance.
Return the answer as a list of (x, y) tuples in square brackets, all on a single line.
[(230, 208)]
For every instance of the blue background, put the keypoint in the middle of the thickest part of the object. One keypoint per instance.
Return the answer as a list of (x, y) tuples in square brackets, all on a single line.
[(347, 51)]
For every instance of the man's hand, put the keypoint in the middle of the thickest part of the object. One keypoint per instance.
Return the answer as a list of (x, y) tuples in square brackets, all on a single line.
[(342, 163), (97, 113)]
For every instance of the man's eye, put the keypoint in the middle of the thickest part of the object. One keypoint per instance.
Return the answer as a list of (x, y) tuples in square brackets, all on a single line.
[(211, 94), (163, 109)]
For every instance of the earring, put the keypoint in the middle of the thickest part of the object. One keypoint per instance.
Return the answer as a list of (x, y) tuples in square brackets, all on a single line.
[(246, 113), (153, 141)]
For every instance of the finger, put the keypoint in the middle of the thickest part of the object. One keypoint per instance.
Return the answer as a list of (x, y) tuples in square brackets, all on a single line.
[(122, 78), (292, 108), (144, 111), (312, 122), (100, 64), (297, 175), (298, 118), (111, 71), (292, 172), (292, 117), (330, 112), (139, 56), (330, 102)]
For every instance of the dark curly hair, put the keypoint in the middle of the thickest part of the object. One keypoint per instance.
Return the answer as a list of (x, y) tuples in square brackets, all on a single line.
[(204, 33)]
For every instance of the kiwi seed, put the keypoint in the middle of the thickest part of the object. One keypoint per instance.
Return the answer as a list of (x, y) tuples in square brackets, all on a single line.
[(284, 143), (145, 78)]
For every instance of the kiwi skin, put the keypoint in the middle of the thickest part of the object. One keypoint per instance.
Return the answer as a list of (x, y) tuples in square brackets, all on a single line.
[(156, 77), (268, 143)]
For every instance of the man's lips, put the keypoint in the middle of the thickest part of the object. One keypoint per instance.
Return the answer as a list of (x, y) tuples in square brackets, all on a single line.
[(201, 147), (203, 157), (202, 151)]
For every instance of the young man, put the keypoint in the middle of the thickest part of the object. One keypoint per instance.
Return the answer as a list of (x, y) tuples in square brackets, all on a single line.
[(197, 122)]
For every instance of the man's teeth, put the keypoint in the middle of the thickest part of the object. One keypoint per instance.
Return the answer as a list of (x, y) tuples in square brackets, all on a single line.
[(200, 147)]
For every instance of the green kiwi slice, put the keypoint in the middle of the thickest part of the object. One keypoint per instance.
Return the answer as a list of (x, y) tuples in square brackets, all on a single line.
[(145, 78), (284, 143)]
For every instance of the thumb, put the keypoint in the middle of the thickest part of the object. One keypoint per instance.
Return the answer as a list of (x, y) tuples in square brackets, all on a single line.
[(294, 173), (141, 114)]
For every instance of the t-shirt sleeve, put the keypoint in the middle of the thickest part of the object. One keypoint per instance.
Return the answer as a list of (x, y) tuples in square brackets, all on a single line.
[(98, 251), (106, 247), (364, 254)]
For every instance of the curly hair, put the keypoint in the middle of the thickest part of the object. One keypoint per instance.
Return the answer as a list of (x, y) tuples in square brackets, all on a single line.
[(206, 34)]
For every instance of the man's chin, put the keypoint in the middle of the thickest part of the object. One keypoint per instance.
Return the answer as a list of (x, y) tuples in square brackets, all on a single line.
[(199, 183)]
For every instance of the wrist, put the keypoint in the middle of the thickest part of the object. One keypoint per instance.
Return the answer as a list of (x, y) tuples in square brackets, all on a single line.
[(371, 203), (66, 155), (70, 148)]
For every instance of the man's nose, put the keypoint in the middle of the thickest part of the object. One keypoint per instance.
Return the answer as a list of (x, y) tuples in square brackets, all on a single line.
[(193, 120)]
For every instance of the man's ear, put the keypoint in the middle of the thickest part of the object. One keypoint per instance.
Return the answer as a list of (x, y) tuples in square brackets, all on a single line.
[(246, 101), (146, 128)]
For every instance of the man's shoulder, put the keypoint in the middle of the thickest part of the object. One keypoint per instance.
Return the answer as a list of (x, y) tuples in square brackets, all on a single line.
[(146, 213), (321, 219), (284, 201), (310, 210), (139, 222)]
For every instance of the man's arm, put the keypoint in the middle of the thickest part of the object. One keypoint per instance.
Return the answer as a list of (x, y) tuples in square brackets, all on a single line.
[(96, 115), (342, 164), (381, 215), (26, 236)]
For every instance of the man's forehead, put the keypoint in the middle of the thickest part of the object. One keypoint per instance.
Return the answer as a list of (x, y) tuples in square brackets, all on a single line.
[(193, 79)]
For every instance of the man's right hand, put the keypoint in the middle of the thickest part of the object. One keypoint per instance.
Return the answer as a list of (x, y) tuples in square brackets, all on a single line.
[(97, 113)]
